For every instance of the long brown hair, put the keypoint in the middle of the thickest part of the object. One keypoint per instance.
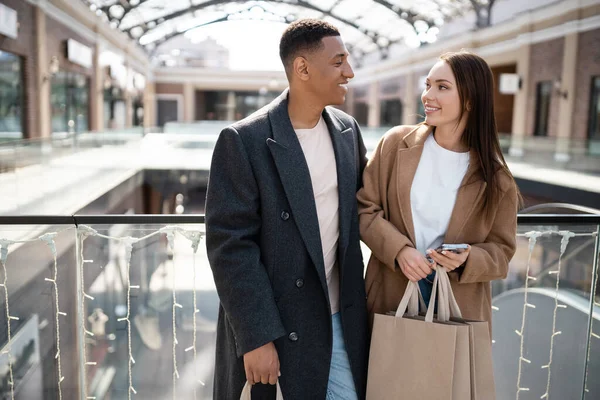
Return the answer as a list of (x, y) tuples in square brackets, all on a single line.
[(475, 83)]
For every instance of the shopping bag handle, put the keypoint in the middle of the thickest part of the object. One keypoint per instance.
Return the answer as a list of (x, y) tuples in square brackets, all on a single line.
[(247, 392), (446, 302), (449, 294), (410, 301)]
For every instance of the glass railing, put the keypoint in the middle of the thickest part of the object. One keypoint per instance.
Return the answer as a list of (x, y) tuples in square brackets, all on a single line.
[(107, 306)]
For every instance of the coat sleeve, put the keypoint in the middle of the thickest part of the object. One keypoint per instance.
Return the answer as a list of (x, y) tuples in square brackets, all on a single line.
[(382, 237), (489, 260), (233, 224)]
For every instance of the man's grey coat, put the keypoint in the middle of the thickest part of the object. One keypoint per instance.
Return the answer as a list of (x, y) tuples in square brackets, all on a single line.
[(264, 247)]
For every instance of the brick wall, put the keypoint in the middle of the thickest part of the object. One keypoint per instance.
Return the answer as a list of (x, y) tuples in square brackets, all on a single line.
[(24, 46), (588, 65), (545, 65)]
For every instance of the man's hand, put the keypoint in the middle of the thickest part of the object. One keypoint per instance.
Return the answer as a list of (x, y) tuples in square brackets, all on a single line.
[(262, 365), (449, 259), (413, 264)]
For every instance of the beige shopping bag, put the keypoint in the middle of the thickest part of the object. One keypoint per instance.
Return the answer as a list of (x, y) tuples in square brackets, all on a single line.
[(480, 345), (247, 392), (416, 358)]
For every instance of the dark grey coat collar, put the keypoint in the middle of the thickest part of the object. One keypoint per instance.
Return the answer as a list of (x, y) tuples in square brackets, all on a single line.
[(295, 178)]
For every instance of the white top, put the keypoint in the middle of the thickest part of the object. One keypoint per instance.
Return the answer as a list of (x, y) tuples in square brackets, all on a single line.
[(433, 192), (318, 152)]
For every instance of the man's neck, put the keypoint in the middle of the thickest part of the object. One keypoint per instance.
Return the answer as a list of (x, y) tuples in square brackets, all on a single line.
[(303, 110)]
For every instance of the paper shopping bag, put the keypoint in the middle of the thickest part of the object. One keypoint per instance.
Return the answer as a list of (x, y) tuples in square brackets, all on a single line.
[(416, 358), (247, 392)]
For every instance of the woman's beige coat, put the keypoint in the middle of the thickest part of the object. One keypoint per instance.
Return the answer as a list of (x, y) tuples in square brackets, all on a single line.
[(386, 225)]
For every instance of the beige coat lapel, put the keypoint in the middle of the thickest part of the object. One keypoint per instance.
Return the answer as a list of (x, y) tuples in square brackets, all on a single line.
[(469, 194), (468, 197), (407, 161)]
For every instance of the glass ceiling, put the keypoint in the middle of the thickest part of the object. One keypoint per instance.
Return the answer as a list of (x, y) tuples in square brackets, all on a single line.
[(367, 25)]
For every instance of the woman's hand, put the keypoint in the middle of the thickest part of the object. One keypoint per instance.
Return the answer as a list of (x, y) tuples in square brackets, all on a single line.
[(449, 259), (413, 264)]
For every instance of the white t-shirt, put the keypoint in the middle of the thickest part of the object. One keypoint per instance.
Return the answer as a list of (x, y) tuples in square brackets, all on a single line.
[(320, 157), (433, 192)]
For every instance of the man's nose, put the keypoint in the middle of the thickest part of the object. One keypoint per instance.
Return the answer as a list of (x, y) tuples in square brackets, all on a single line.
[(348, 72)]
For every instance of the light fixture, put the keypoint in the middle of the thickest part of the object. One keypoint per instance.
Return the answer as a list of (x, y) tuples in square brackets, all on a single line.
[(53, 68), (558, 89)]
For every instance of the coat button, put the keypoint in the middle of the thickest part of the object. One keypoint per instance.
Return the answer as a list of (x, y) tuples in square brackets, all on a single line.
[(285, 215), (293, 337), (299, 283)]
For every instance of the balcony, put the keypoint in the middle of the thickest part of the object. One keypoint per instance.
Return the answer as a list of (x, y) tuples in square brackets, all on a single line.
[(115, 306)]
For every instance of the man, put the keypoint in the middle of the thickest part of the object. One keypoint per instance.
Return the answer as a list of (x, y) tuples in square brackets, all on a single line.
[(282, 234)]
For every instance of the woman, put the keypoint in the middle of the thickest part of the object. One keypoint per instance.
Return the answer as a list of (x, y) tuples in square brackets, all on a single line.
[(443, 181)]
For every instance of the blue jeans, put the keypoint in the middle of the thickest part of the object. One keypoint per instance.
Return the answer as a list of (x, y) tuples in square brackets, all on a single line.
[(426, 287), (341, 382)]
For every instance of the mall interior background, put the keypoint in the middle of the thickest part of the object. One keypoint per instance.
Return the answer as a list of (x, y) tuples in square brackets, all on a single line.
[(112, 107)]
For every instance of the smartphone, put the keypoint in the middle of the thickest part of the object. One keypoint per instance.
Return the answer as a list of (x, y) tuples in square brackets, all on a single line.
[(455, 248)]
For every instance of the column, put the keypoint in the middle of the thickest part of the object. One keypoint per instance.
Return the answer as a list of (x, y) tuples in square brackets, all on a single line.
[(43, 74), (230, 106), (374, 106), (409, 102), (349, 103), (567, 105), (127, 93), (149, 104), (97, 93), (188, 102), (519, 123)]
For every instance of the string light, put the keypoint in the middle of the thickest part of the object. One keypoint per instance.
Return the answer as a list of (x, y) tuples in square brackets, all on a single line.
[(566, 236), (533, 236), (194, 237), (4, 243), (171, 240), (48, 238), (128, 242), (83, 232)]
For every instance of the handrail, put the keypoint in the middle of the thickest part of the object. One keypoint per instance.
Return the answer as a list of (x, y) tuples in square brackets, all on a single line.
[(553, 206), (525, 219), (102, 219)]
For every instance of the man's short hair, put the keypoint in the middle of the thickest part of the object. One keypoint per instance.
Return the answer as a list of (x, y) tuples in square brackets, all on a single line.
[(303, 36)]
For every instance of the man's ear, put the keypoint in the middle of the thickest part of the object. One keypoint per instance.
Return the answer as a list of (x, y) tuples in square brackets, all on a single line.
[(300, 68)]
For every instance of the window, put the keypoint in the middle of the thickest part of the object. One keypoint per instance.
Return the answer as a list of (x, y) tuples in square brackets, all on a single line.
[(114, 108), (11, 95), (594, 121), (420, 110), (361, 113), (69, 101), (542, 109), (391, 112)]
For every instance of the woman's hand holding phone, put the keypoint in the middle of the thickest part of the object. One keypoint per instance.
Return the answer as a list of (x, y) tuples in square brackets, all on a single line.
[(413, 264), (449, 259)]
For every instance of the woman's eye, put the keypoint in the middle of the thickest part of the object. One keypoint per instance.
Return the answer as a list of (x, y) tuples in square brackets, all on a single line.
[(443, 87)]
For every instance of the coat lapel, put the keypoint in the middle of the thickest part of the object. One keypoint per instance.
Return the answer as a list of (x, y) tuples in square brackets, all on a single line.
[(343, 146), (295, 178), (469, 194), (407, 163)]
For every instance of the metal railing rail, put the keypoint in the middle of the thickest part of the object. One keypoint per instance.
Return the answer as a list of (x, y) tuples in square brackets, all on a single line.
[(523, 219)]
